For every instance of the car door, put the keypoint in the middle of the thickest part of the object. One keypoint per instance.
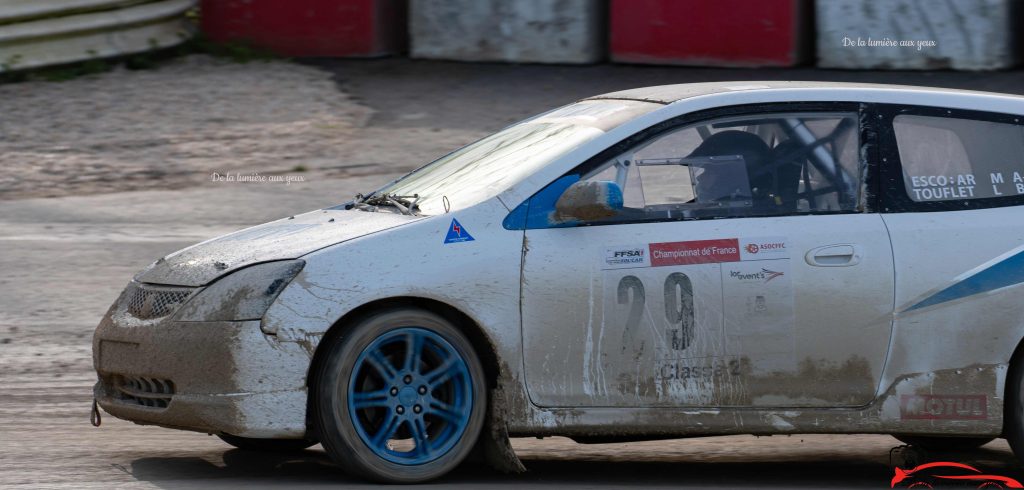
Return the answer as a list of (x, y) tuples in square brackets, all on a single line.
[(727, 261)]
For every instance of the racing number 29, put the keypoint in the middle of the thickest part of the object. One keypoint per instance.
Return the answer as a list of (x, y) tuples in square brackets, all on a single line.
[(678, 306)]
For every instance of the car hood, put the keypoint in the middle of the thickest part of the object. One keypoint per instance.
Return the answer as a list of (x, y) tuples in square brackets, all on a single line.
[(288, 238)]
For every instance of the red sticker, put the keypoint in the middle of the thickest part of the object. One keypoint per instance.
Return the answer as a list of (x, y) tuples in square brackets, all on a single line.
[(695, 252), (949, 407)]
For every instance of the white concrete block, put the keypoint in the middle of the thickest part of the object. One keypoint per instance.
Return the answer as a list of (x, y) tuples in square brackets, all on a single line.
[(957, 34), (68, 35), (525, 31)]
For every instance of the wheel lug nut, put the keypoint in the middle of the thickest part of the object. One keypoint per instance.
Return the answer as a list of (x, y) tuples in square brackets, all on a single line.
[(423, 390), (417, 408), (394, 391), (407, 379), (400, 410)]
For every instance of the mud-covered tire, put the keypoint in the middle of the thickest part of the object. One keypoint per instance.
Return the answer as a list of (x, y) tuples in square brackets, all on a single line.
[(1013, 409), (267, 445), (393, 379)]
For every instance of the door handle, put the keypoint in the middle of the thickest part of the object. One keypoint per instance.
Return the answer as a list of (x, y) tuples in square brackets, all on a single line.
[(839, 255)]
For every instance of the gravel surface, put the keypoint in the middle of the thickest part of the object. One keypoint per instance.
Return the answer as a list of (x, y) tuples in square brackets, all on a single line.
[(178, 125)]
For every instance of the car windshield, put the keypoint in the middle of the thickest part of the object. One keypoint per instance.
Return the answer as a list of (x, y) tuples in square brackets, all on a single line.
[(483, 169)]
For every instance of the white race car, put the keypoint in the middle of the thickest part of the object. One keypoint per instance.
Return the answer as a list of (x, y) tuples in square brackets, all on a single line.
[(685, 260)]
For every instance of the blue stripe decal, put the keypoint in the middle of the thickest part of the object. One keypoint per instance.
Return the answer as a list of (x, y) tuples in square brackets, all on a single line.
[(1006, 272)]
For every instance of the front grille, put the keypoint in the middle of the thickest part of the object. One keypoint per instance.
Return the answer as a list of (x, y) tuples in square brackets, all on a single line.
[(147, 302), (147, 392)]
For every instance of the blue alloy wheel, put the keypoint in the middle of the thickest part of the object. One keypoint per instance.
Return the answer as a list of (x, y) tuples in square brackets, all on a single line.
[(410, 396)]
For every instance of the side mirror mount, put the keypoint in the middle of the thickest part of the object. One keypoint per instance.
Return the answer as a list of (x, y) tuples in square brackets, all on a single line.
[(588, 201)]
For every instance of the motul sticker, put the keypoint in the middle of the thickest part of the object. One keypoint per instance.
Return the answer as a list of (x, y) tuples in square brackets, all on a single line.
[(944, 407)]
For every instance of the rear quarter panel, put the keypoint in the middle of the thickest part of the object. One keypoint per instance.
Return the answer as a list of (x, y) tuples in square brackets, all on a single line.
[(948, 361)]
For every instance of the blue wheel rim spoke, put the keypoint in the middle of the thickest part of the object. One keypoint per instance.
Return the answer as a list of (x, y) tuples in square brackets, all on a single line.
[(412, 354), (445, 411), (381, 364), (370, 399), (442, 373), (410, 384), (386, 431), (419, 435)]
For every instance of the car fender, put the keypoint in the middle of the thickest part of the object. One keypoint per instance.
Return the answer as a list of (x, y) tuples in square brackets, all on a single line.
[(478, 277)]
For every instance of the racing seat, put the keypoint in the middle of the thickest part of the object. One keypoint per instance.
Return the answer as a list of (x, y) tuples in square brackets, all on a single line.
[(755, 155), (784, 175)]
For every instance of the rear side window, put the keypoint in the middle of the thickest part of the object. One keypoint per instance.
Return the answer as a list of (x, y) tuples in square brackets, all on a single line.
[(950, 159)]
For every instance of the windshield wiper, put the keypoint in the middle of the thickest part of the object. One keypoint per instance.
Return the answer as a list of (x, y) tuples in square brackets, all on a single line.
[(373, 201)]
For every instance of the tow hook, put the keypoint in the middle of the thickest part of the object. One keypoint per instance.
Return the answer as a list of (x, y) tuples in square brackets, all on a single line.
[(94, 418)]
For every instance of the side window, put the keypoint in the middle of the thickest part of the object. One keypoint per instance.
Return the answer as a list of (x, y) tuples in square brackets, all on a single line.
[(948, 159), (759, 165)]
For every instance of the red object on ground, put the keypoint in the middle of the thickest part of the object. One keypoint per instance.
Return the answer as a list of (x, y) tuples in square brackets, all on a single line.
[(309, 27), (719, 33), (994, 481)]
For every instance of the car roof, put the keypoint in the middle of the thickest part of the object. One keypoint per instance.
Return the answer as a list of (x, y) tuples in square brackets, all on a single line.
[(667, 94)]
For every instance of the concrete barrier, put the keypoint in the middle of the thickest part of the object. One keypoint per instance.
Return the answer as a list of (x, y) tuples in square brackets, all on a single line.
[(15, 10), (719, 33), (36, 33), (360, 28), (917, 34), (526, 31)]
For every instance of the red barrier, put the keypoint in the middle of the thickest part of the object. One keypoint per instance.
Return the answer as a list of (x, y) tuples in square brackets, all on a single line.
[(718, 33), (309, 27)]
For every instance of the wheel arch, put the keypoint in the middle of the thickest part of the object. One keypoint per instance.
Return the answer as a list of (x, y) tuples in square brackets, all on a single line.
[(481, 342)]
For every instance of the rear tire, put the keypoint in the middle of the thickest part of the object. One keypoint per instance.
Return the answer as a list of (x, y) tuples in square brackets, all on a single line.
[(1013, 409), (400, 397), (267, 445)]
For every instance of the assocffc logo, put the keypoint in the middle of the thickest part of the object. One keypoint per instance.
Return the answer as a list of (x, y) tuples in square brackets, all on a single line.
[(766, 246), (762, 248)]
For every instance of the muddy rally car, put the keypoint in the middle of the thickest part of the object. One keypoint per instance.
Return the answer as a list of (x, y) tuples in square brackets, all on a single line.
[(686, 260)]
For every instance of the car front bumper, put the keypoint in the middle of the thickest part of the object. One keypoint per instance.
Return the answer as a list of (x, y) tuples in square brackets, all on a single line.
[(215, 377)]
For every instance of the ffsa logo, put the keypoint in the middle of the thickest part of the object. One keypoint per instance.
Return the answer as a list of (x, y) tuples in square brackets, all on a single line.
[(626, 257)]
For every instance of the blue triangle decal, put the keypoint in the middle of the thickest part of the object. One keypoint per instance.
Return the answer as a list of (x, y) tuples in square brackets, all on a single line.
[(456, 233)]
